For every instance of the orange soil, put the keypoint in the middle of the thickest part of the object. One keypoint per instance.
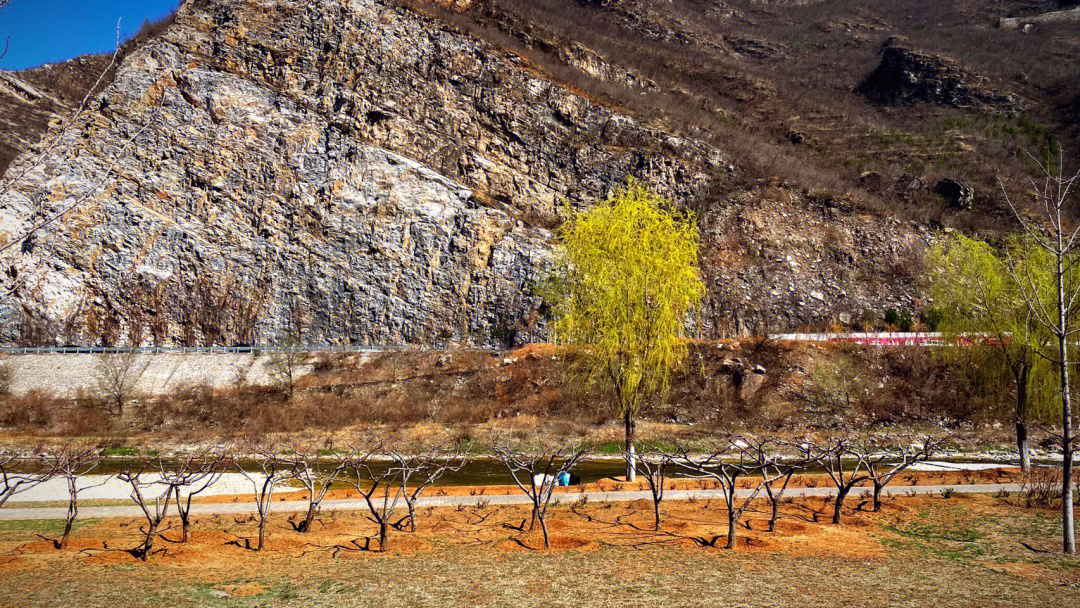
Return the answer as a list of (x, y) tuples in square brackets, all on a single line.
[(220, 543)]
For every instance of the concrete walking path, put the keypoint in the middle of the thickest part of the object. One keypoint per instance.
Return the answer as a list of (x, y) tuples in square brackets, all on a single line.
[(355, 504)]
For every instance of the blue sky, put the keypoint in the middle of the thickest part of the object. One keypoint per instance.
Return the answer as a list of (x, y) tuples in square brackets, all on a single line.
[(46, 31)]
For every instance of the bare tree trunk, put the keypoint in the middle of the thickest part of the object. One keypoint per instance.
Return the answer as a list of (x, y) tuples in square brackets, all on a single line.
[(67, 531), (308, 519), (412, 515), (1021, 418), (775, 514), (631, 472), (185, 517), (543, 527), (1022, 446), (382, 535), (732, 526), (1068, 535), (841, 495), (72, 513), (151, 532), (656, 513), (262, 533), (877, 496)]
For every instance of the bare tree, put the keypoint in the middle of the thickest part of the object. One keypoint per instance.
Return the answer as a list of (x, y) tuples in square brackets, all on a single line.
[(303, 462), (73, 462), (117, 374), (776, 466), (285, 364), (884, 462), (20, 472), (1057, 234), (426, 468), (732, 459), (265, 470), (830, 455), (189, 476), (652, 464), (379, 482), (152, 494), (540, 468)]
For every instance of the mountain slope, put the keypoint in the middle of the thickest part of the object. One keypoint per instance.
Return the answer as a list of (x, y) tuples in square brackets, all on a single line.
[(360, 171)]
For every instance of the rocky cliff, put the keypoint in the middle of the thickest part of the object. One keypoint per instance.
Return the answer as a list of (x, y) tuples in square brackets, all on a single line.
[(357, 171)]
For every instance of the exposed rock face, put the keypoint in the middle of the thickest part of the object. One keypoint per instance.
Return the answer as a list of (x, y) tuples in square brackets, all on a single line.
[(372, 175), (906, 76), (247, 200), (956, 192)]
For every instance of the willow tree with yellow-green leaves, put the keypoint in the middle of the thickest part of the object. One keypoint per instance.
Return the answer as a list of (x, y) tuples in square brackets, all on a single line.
[(983, 307), (629, 285)]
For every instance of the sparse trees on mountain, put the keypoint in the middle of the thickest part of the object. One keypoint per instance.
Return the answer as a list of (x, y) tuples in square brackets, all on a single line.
[(626, 285)]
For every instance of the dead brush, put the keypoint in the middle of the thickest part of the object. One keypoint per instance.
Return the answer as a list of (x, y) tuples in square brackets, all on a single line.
[(581, 501), (1041, 487)]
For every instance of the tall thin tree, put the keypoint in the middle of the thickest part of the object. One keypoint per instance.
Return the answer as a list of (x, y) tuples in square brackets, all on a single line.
[(1053, 303)]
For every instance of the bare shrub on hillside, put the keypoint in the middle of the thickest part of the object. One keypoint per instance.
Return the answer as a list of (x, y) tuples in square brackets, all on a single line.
[(117, 374), (835, 386), (7, 377), (284, 367), (536, 472)]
